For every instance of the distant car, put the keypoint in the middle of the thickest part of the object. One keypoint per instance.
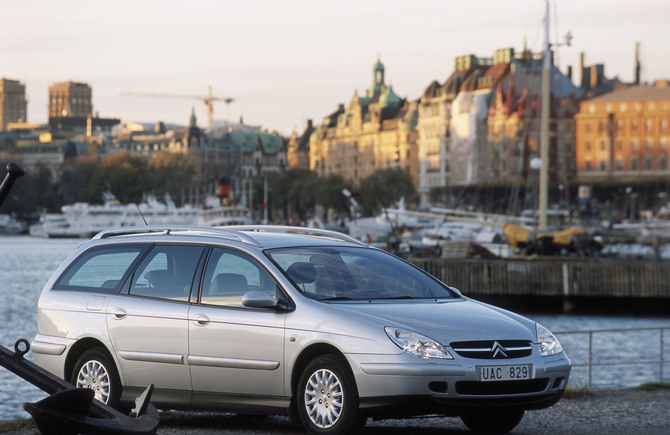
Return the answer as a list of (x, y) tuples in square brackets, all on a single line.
[(307, 323)]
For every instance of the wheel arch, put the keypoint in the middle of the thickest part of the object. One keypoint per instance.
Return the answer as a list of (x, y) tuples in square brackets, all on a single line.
[(307, 355), (78, 350)]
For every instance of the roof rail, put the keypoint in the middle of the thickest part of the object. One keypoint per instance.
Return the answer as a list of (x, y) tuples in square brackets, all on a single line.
[(228, 232), (285, 229)]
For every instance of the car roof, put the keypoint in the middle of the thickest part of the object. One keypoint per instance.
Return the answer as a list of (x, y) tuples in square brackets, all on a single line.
[(259, 236)]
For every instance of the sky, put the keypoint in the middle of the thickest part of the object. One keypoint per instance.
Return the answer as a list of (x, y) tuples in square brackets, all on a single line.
[(284, 62)]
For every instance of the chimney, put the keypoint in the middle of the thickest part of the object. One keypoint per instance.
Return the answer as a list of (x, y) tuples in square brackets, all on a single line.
[(583, 82), (597, 74), (569, 72)]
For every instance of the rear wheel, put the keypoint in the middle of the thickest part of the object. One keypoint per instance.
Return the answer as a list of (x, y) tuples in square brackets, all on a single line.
[(327, 397), (489, 420), (96, 370)]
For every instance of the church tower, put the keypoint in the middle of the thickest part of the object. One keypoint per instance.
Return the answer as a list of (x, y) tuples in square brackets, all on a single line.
[(377, 79), (194, 135)]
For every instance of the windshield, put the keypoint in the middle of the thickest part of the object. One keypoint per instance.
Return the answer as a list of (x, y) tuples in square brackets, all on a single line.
[(347, 273)]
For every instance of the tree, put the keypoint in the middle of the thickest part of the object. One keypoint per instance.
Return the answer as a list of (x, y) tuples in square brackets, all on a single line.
[(329, 193), (172, 174), (76, 178), (384, 188), (291, 192), (296, 193), (123, 174)]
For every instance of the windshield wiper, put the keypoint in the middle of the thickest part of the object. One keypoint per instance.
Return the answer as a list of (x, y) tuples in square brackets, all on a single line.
[(338, 298)]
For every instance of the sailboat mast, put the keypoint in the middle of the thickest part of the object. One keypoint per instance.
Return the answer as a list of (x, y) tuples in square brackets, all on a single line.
[(544, 126)]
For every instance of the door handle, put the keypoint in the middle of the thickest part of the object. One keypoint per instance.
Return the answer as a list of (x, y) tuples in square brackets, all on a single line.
[(201, 320), (120, 313)]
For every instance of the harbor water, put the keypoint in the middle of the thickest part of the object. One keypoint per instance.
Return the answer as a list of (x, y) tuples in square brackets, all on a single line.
[(27, 262)]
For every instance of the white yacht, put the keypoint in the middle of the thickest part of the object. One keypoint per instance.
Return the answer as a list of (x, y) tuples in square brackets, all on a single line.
[(86, 220)]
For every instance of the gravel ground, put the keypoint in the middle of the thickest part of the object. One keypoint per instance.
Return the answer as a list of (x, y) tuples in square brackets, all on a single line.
[(604, 411)]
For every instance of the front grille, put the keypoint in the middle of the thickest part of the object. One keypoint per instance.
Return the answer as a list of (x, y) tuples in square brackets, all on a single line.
[(492, 349), (502, 387)]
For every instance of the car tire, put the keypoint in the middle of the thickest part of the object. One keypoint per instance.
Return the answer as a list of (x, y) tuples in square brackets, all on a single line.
[(489, 420), (95, 369), (328, 398)]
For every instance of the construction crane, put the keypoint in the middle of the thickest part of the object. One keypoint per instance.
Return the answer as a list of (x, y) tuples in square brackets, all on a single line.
[(207, 99)]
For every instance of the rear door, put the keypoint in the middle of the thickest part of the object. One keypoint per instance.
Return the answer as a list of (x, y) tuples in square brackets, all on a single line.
[(148, 322)]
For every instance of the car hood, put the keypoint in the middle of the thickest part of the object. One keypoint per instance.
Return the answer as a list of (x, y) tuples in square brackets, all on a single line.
[(459, 320)]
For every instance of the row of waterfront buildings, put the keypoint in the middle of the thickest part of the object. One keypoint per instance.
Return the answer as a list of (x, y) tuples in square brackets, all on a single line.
[(477, 129)]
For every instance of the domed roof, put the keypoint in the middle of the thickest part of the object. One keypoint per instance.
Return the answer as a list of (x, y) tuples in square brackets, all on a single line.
[(389, 98)]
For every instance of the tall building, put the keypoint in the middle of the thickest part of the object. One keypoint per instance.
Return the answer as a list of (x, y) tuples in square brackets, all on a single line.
[(481, 127), (12, 102), (372, 131), (514, 129), (624, 136), (435, 110), (70, 100)]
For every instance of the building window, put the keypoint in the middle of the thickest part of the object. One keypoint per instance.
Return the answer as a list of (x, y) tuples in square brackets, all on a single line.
[(633, 164), (602, 145), (588, 145), (661, 163), (647, 144), (664, 143), (619, 145), (647, 163), (601, 166), (633, 125), (588, 166), (664, 125), (649, 126), (634, 145)]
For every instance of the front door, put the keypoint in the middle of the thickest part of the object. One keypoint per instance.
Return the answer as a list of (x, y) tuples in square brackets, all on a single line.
[(235, 350)]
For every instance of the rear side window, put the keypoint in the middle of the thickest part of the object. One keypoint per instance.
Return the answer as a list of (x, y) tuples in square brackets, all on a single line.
[(101, 269), (167, 272)]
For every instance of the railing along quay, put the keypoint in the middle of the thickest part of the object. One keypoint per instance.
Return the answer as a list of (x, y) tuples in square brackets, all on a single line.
[(617, 357), (552, 277)]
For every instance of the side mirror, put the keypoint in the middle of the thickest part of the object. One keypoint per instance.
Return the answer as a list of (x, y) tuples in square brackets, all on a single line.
[(260, 299)]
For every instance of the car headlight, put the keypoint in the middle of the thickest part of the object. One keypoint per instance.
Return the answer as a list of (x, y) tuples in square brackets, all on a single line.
[(548, 342), (417, 344)]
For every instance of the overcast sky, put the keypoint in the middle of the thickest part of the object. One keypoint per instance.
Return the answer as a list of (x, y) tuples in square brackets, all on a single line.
[(288, 61)]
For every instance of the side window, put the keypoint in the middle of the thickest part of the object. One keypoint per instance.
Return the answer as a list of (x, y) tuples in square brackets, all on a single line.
[(229, 275), (103, 268), (166, 272)]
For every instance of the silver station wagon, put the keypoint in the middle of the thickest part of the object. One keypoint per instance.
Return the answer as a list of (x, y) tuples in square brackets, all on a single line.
[(307, 323)]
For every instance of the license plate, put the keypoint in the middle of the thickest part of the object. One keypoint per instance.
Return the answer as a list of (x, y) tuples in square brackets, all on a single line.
[(504, 373)]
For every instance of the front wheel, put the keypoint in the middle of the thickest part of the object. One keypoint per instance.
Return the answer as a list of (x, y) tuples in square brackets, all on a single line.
[(327, 397), (493, 420), (96, 370)]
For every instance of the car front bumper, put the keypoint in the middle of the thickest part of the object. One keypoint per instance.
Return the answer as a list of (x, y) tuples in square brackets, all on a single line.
[(452, 386)]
